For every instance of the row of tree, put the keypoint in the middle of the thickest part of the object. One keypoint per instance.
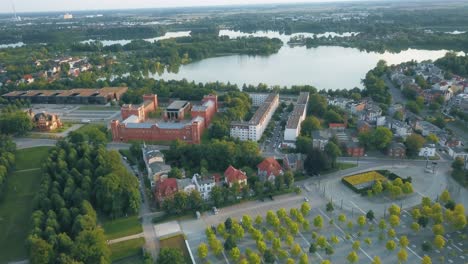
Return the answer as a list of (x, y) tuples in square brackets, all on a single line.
[(7, 158), (78, 178)]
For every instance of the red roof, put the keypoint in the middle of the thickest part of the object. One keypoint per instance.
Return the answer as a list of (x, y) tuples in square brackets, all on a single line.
[(336, 125), (165, 187), (233, 175), (271, 166), (27, 76)]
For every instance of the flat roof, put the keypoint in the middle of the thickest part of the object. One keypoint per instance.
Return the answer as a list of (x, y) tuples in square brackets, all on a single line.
[(177, 105), (303, 98), (80, 92), (263, 109)]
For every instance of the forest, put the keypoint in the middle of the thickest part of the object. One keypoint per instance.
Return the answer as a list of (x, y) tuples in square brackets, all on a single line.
[(80, 181), (7, 159)]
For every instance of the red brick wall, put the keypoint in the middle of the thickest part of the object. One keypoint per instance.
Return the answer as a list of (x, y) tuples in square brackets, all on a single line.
[(355, 151)]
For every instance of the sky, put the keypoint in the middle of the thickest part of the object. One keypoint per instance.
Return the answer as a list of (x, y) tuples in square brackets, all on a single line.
[(72, 5)]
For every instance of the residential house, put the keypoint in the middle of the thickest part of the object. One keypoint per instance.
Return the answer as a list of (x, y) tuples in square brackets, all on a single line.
[(427, 128), (320, 138), (337, 126), (429, 150), (28, 78), (204, 185), (294, 161), (233, 175), (396, 150), (165, 188), (457, 152), (353, 148), (185, 185), (154, 162), (269, 169), (363, 126), (399, 128)]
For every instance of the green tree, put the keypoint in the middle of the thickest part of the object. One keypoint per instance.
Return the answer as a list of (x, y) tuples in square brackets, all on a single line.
[(258, 220), (381, 137), (426, 260), (170, 255), (342, 218), (413, 144), (175, 173), (312, 248), (391, 245), (329, 207), (296, 250), (261, 246), (216, 195), (353, 257), (377, 187), (376, 260), (370, 215), (235, 253), (438, 229), (322, 242), (305, 209), (445, 196), (202, 251), (402, 255), (39, 251), (415, 227), (391, 232), (356, 245), (318, 222), (404, 242), (276, 244), (309, 124), (394, 210), (230, 243), (394, 220), (439, 241), (361, 221), (268, 256), (333, 152), (304, 259)]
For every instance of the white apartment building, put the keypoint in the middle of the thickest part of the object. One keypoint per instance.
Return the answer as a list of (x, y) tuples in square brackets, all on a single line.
[(258, 98), (293, 126), (253, 129), (203, 186)]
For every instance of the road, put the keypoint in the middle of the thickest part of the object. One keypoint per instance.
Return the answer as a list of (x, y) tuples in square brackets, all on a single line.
[(397, 95), (152, 242)]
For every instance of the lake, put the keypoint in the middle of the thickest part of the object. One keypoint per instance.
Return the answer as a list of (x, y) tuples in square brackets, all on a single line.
[(168, 35), (325, 67), (12, 45)]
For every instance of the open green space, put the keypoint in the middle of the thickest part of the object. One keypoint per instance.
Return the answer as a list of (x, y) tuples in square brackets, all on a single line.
[(127, 249), (136, 259), (16, 206), (122, 227), (177, 241)]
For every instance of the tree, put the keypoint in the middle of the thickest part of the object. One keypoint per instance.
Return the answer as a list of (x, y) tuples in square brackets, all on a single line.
[(438, 229), (370, 215), (317, 105), (334, 239), (381, 137), (39, 251), (312, 248), (304, 259), (268, 256), (329, 250), (426, 260), (333, 152), (305, 209), (288, 179), (391, 232), (316, 161), (235, 253), (254, 258), (402, 255), (321, 241), (261, 246), (309, 124), (230, 243), (426, 246), (296, 250), (202, 251), (439, 241), (394, 210), (329, 207), (216, 195), (404, 242), (391, 245), (445, 196), (377, 187), (258, 220), (276, 244), (318, 221), (368, 241), (175, 173), (325, 261), (413, 144), (376, 260), (342, 218), (394, 220), (382, 224), (423, 221), (361, 221), (170, 256), (415, 227), (356, 245), (353, 257), (290, 261)]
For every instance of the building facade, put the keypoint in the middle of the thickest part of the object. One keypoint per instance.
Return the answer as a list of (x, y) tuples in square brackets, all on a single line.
[(173, 128), (293, 126), (253, 129)]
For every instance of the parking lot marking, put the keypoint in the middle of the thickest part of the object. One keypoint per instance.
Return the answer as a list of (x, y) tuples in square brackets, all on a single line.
[(362, 211), (344, 233), (455, 246), (451, 261), (462, 257), (416, 254), (308, 243)]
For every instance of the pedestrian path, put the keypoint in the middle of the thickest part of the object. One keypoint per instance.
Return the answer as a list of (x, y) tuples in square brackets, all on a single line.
[(121, 239)]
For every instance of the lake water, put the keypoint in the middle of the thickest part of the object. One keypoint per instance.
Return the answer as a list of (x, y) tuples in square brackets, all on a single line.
[(168, 35), (12, 45), (285, 38), (325, 67)]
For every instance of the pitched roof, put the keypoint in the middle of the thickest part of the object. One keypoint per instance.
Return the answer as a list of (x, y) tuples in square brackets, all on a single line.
[(271, 166), (336, 125), (166, 187), (234, 175)]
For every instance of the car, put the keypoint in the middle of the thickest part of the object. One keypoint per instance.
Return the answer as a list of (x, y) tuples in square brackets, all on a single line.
[(306, 199)]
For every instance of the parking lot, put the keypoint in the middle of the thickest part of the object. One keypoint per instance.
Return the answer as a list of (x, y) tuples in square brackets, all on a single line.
[(79, 113)]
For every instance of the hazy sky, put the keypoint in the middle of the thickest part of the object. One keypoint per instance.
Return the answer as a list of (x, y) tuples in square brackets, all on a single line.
[(70, 5)]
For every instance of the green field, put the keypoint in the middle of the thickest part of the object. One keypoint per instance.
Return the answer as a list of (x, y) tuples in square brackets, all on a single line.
[(122, 227), (16, 205), (177, 241), (127, 249), (137, 259)]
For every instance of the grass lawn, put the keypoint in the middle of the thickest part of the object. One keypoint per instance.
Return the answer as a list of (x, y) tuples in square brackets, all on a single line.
[(365, 177), (122, 227), (16, 205), (65, 126), (136, 259), (127, 248), (177, 241)]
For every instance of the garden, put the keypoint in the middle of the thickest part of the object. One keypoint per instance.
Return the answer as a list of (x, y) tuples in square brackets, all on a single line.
[(379, 182)]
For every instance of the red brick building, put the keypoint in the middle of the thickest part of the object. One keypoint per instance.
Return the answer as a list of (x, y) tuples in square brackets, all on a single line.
[(354, 150), (397, 150), (150, 104), (175, 126), (165, 188), (44, 122)]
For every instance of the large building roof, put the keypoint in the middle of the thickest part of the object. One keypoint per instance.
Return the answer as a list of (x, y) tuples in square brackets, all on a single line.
[(303, 98), (177, 105), (103, 92), (295, 116), (234, 175)]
